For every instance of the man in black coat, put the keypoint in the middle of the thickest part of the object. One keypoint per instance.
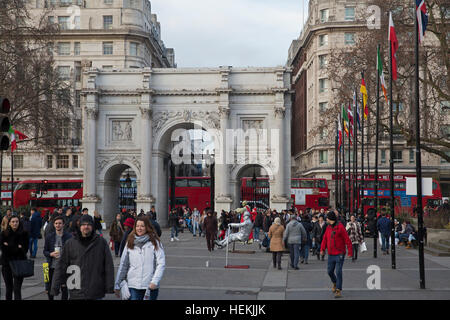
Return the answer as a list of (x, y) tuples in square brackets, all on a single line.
[(86, 265)]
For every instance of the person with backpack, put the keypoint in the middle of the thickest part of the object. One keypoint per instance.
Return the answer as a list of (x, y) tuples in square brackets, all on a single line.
[(335, 240), (306, 245)]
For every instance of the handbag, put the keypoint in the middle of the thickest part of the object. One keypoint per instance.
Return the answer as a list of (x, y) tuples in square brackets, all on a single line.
[(265, 242), (22, 268)]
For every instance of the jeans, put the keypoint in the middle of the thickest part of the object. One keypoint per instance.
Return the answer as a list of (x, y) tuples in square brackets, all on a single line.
[(138, 294), (384, 242), (195, 228), (256, 235), (12, 283), (403, 237), (294, 251), (174, 231), (304, 252), (116, 247), (355, 251), (336, 262), (33, 246)]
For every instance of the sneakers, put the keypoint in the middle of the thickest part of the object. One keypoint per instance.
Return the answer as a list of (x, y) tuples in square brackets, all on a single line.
[(177, 239), (338, 294), (171, 239), (334, 288)]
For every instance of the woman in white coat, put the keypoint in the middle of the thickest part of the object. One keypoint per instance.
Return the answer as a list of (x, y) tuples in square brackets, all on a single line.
[(142, 264)]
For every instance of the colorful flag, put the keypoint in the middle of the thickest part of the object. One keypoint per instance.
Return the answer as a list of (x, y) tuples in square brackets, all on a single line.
[(350, 119), (340, 135), (381, 75), (363, 90), (345, 118), (422, 18), (394, 46), (13, 134)]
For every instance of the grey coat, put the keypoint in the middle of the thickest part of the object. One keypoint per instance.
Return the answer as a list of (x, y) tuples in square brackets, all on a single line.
[(96, 266), (295, 233)]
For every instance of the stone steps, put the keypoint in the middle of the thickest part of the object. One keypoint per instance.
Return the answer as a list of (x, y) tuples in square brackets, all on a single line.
[(439, 246), (436, 252), (445, 242)]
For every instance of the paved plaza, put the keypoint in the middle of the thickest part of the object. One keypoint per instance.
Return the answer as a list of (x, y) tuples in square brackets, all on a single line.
[(192, 273)]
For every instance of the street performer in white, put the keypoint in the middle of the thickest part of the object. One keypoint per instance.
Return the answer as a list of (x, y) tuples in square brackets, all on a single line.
[(245, 228)]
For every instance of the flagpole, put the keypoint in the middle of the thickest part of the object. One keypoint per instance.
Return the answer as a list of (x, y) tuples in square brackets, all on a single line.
[(349, 170), (12, 182), (336, 168), (418, 158), (355, 156), (391, 159), (377, 125), (361, 193), (344, 179)]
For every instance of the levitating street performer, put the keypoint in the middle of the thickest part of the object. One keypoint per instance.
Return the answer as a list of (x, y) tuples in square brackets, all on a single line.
[(245, 228)]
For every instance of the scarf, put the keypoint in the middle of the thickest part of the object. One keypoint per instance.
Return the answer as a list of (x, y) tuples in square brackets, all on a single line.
[(139, 241)]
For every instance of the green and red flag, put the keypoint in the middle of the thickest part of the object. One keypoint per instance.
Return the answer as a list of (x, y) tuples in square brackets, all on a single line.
[(381, 74), (13, 134)]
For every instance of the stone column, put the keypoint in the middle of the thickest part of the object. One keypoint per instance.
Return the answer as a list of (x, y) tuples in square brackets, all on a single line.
[(90, 197), (223, 197), (279, 199), (145, 198)]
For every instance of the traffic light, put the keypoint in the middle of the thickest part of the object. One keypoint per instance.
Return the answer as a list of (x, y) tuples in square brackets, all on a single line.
[(44, 186), (5, 124)]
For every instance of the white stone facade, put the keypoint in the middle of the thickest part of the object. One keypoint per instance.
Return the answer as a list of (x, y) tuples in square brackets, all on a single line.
[(152, 103)]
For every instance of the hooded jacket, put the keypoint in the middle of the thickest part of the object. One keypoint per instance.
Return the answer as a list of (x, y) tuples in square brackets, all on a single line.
[(336, 239), (96, 267), (141, 266), (295, 233), (13, 239), (36, 225)]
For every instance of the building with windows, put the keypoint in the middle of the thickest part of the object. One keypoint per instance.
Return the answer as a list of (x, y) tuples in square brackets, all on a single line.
[(333, 25), (103, 34)]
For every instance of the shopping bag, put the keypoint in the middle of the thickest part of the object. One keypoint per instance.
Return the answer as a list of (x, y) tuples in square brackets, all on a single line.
[(111, 245), (363, 247)]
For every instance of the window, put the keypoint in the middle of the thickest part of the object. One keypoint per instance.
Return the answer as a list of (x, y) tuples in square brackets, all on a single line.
[(324, 15), (107, 22), (18, 161), (397, 156), (107, 67), (77, 48), (323, 133), (107, 48), (349, 38), (76, 23), (307, 184), (64, 133), (64, 72), (51, 20), (77, 99), (411, 156), (446, 131), (49, 161), (348, 156), (77, 73), (323, 85), (443, 160), (62, 162), (323, 40), (108, 1), (75, 161), (63, 23), (323, 156), (64, 48), (383, 156), (445, 106), (323, 61), (350, 14), (323, 106), (134, 48)]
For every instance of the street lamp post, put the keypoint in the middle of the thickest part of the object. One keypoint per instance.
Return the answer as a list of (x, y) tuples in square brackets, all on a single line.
[(254, 187)]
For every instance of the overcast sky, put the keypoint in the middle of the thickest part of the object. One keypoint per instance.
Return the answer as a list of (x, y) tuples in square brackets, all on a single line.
[(238, 33)]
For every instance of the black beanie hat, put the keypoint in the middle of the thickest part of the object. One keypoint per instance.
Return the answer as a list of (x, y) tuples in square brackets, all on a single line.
[(332, 216), (86, 219)]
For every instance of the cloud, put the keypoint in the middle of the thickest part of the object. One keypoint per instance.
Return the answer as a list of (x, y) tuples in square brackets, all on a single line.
[(239, 33)]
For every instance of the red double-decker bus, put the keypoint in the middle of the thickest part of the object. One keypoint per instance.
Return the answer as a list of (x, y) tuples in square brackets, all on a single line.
[(58, 193), (402, 201), (6, 193), (192, 192), (306, 193), (310, 193)]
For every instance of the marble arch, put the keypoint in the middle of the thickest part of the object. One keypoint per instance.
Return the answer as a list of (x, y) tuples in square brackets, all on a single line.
[(129, 113)]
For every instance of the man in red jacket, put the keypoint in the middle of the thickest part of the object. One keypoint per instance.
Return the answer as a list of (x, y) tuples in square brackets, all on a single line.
[(334, 240)]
